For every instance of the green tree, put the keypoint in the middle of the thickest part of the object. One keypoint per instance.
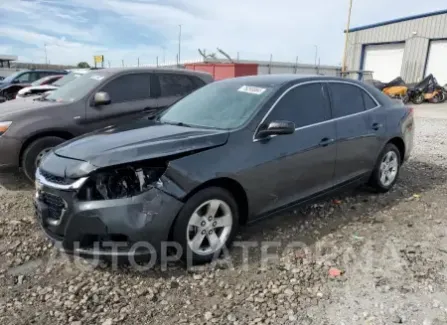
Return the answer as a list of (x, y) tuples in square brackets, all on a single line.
[(83, 65)]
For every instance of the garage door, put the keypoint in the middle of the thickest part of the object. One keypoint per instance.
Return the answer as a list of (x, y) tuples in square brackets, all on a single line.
[(437, 61), (384, 60)]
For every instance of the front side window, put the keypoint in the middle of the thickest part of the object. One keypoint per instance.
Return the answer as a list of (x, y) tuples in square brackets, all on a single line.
[(175, 85), (346, 99), (303, 105), (24, 78), (128, 88), (225, 104)]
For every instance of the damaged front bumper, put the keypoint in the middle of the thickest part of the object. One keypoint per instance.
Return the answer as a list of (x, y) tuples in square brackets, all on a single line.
[(122, 227)]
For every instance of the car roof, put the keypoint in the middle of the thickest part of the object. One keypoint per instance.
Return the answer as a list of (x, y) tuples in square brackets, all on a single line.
[(144, 69), (45, 70), (273, 80)]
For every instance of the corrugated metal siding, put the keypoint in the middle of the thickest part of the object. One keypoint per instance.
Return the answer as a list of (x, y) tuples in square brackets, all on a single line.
[(416, 48)]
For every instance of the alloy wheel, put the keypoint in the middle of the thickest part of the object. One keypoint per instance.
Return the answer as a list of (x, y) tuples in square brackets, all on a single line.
[(209, 227), (41, 155), (388, 168)]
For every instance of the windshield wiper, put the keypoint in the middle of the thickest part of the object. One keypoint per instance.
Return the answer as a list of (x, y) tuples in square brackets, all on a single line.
[(175, 123)]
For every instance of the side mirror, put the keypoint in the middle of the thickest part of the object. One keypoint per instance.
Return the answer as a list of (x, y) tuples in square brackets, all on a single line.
[(101, 98), (277, 128)]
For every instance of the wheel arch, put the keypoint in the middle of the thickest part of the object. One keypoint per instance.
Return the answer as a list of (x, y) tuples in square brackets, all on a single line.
[(48, 133), (400, 144), (232, 186)]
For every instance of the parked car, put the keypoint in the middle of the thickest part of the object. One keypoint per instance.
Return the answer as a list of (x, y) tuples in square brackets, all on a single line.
[(229, 153), (13, 83), (29, 129), (42, 82), (36, 91)]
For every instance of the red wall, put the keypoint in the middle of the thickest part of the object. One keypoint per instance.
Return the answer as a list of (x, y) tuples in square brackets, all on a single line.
[(221, 71)]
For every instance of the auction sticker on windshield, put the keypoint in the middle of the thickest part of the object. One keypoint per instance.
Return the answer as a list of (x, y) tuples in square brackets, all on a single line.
[(252, 90), (96, 77)]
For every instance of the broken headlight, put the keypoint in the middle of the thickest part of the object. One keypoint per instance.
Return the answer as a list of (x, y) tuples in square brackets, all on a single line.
[(120, 183)]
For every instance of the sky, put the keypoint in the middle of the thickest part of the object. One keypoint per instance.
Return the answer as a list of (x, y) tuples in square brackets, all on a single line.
[(72, 31)]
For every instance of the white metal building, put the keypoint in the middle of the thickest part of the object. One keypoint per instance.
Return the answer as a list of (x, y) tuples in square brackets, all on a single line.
[(410, 47)]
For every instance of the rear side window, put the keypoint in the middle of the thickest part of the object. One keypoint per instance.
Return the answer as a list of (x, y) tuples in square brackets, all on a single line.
[(128, 88), (175, 85), (346, 99), (197, 82), (303, 105), (368, 101)]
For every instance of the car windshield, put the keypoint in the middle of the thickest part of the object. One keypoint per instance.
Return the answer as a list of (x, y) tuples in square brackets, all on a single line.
[(77, 88), (67, 78), (220, 105), (11, 77)]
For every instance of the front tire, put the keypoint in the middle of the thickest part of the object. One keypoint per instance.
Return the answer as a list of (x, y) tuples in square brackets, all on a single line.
[(206, 224), (387, 169), (35, 151)]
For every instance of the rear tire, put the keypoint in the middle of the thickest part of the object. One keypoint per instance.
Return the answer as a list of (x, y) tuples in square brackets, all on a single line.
[(198, 211), (386, 171), (34, 153)]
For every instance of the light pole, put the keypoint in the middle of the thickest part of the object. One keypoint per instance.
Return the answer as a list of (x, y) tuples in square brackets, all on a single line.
[(316, 54), (343, 68), (179, 43), (46, 56)]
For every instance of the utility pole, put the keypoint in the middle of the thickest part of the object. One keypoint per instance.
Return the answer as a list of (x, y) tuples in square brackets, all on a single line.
[(316, 54), (46, 56), (343, 67), (138, 61), (179, 42)]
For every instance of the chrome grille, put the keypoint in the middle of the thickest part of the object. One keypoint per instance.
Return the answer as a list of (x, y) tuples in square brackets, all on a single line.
[(54, 203), (55, 179)]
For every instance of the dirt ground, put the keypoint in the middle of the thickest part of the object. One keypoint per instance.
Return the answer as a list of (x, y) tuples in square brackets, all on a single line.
[(391, 250)]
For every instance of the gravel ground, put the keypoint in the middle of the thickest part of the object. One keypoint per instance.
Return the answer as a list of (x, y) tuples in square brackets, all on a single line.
[(390, 251)]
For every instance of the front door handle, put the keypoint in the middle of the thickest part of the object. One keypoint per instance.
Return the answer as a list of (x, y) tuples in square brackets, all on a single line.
[(376, 126), (326, 141)]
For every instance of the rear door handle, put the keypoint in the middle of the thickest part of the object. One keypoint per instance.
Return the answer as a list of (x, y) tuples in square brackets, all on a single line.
[(376, 126), (326, 141)]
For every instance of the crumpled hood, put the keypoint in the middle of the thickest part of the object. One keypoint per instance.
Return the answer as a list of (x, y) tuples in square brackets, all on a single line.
[(137, 141)]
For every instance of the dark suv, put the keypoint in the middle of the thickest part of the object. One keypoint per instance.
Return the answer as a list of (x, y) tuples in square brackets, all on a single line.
[(29, 129)]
